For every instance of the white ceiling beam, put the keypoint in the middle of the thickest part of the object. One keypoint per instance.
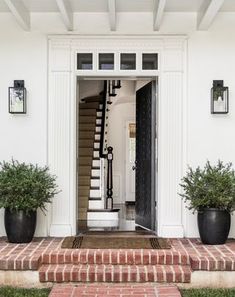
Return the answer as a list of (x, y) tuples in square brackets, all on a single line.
[(20, 13), (66, 13), (159, 6), (207, 13), (112, 14)]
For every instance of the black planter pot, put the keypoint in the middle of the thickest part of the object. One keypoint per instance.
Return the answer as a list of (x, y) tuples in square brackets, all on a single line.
[(20, 227), (213, 225)]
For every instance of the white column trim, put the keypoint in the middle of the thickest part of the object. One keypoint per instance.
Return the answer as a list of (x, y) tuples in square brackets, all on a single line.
[(62, 128)]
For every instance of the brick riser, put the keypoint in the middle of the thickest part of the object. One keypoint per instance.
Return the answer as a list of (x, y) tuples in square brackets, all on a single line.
[(115, 273), (114, 290), (116, 257)]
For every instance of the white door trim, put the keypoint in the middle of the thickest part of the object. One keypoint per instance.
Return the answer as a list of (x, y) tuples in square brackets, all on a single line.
[(127, 122), (171, 115)]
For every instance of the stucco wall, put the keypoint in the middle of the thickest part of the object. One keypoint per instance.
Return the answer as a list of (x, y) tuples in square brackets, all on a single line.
[(23, 55)]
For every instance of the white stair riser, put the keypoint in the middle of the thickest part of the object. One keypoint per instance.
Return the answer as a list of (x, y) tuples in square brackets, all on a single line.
[(96, 204), (98, 129), (97, 224), (95, 193), (102, 216), (97, 136), (95, 172), (100, 106), (99, 114), (96, 145), (96, 163), (98, 121), (95, 183), (96, 154)]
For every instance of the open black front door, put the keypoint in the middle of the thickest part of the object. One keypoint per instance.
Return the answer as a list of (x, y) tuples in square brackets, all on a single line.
[(145, 155)]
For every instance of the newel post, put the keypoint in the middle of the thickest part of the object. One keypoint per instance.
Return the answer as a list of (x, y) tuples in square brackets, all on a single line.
[(109, 179)]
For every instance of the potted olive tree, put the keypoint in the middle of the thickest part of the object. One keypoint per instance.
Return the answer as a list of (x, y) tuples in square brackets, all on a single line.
[(23, 189), (211, 192)]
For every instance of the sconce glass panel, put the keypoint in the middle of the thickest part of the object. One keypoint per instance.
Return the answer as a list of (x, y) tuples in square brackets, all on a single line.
[(17, 100), (84, 61), (219, 98)]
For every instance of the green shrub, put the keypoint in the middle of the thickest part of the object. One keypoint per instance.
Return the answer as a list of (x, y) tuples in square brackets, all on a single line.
[(25, 186), (210, 187)]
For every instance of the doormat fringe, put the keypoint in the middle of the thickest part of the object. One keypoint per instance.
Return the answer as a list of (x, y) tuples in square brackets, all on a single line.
[(102, 242)]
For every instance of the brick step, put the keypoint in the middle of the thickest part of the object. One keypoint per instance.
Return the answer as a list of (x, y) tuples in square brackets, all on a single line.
[(105, 290), (115, 273), (115, 257)]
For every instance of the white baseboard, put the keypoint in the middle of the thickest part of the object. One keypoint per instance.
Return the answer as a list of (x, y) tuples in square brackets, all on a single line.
[(171, 231), (60, 230)]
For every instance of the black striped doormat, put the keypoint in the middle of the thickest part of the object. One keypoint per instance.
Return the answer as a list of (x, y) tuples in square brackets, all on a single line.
[(114, 242)]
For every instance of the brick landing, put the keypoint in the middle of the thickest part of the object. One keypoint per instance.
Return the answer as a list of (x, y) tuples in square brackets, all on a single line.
[(53, 264), (113, 290)]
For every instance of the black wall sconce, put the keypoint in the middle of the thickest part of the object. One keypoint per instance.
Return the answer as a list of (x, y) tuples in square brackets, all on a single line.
[(219, 98), (17, 98)]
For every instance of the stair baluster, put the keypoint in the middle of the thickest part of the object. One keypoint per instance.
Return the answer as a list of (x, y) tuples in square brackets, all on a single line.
[(103, 124), (109, 198)]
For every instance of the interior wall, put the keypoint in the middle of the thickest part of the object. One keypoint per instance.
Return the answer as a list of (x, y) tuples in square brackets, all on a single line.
[(121, 111), (88, 88)]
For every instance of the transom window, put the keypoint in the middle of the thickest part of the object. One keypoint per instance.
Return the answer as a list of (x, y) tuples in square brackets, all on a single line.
[(110, 61), (84, 61), (106, 61), (128, 61)]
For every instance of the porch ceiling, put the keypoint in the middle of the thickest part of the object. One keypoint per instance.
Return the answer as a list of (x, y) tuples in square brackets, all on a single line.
[(204, 8)]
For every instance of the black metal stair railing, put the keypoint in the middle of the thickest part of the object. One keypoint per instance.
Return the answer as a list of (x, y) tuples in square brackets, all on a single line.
[(103, 120), (108, 92), (109, 198)]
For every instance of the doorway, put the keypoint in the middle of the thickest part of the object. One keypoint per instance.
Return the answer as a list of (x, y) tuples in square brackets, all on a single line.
[(130, 122)]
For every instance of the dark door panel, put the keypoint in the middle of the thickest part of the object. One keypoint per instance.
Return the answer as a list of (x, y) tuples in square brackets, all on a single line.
[(145, 155)]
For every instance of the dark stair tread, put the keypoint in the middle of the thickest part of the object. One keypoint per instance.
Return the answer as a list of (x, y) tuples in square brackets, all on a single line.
[(94, 188), (97, 98), (95, 167), (95, 198), (91, 177)]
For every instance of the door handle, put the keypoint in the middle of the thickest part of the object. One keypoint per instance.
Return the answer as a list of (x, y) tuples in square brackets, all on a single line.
[(133, 167)]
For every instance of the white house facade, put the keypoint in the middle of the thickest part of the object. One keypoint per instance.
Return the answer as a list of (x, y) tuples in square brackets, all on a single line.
[(195, 44)]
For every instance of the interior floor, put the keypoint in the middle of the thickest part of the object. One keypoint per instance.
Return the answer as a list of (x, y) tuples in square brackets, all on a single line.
[(126, 220)]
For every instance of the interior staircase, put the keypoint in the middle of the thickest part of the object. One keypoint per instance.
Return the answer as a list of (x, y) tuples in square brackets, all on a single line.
[(91, 192)]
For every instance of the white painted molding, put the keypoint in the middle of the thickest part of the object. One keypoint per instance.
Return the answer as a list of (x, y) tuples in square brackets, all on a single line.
[(60, 230), (208, 13), (62, 123), (20, 13), (66, 13), (112, 14), (159, 6)]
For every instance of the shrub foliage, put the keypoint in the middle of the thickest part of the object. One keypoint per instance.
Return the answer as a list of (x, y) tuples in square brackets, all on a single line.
[(25, 186), (210, 187)]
